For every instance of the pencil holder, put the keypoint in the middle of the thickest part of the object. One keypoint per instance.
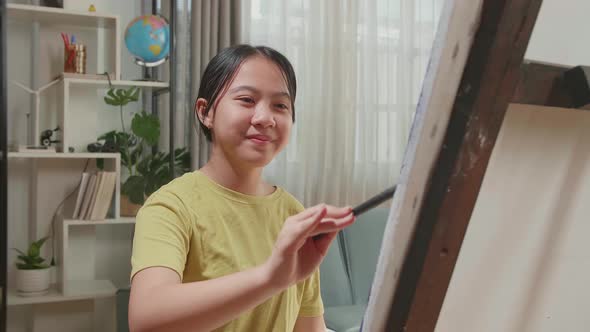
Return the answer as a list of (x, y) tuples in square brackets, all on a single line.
[(75, 59), (69, 55)]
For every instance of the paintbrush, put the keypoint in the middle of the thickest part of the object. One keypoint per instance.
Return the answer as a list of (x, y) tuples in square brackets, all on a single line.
[(374, 201), (369, 204)]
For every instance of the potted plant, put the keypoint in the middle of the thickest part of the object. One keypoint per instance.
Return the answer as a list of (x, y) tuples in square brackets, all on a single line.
[(32, 275), (147, 170)]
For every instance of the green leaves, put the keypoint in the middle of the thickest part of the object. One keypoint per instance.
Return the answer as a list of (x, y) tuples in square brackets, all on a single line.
[(147, 171), (134, 188), (153, 171), (32, 259), (122, 143), (119, 139), (146, 126), (121, 97), (35, 247)]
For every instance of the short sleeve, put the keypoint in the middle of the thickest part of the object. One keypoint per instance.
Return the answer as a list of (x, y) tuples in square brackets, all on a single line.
[(162, 235), (311, 304)]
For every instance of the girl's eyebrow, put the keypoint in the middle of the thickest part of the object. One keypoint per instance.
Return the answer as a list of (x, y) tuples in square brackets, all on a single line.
[(256, 91)]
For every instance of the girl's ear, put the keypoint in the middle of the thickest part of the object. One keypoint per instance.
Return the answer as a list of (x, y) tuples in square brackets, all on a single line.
[(200, 108)]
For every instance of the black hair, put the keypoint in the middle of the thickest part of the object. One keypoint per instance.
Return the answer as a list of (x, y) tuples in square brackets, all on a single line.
[(223, 67)]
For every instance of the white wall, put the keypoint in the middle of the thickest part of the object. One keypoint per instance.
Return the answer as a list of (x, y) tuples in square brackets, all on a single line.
[(560, 34)]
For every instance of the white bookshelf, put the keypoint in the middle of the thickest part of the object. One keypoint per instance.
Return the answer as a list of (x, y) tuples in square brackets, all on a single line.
[(118, 221), (59, 16), (70, 134), (79, 290), (77, 93), (53, 174), (59, 155), (47, 16), (91, 255), (103, 83), (68, 285)]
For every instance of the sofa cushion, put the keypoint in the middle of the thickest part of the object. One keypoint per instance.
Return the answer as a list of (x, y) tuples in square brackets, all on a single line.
[(362, 245), (344, 318), (334, 281)]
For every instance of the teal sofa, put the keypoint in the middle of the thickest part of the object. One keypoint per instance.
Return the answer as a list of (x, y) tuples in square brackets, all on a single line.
[(348, 269)]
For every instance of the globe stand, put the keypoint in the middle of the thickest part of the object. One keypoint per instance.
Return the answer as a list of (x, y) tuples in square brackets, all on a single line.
[(148, 70), (148, 75)]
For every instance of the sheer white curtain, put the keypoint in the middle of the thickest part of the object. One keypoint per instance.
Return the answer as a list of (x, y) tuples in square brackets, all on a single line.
[(359, 66)]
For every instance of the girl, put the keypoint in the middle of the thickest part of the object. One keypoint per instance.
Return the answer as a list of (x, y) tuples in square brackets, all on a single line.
[(219, 248)]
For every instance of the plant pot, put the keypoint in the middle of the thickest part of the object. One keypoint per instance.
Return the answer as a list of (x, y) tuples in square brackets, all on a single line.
[(33, 282), (128, 209)]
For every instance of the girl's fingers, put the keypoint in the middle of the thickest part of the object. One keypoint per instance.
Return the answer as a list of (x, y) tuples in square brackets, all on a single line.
[(337, 212), (322, 243), (331, 212), (333, 225), (316, 220), (303, 228), (309, 212)]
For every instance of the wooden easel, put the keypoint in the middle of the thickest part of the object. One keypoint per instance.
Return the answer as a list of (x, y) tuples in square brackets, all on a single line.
[(476, 70)]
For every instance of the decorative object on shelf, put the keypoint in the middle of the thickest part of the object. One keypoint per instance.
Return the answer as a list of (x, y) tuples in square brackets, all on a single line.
[(107, 146), (32, 275), (80, 58), (47, 137), (92, 8), (147, 38), (33, 122), (147, 171)]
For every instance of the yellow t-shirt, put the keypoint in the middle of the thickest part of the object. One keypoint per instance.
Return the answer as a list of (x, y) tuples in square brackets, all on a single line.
[(204, 231)]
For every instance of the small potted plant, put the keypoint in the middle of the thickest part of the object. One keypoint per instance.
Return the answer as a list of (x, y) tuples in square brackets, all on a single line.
[(32, 275)]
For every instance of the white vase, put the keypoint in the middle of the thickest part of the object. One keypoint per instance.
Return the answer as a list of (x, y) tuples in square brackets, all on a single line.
[(33, 282)]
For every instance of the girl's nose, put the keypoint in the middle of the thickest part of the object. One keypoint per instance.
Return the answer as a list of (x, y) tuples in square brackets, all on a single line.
[(263, 117)]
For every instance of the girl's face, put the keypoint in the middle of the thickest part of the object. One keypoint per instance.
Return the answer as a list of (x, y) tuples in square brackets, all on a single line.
[(252, 120)]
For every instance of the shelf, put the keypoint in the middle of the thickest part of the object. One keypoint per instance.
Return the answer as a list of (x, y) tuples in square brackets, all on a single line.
[(77, 290), (61, 155), (116, 83), (58, 16), (119, 221)]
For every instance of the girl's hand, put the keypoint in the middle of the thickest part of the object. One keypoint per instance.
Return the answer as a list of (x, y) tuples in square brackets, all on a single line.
[(303, 242)]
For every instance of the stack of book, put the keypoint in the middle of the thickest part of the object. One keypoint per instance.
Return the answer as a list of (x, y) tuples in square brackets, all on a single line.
[(95, 194)]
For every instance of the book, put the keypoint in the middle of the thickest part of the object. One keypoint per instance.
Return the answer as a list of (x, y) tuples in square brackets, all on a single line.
[(104, 196), (107, 195), (99, 183), (87, 196), (80, 197)]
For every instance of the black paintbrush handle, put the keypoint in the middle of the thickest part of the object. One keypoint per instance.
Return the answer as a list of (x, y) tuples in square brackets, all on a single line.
[(374, 201)]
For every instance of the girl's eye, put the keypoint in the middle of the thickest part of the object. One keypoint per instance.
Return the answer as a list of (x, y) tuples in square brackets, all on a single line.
[(246, 100), (282, 106)]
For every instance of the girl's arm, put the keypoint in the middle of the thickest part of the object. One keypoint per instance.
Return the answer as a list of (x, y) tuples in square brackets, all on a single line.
[(159, 301), (310, 324)]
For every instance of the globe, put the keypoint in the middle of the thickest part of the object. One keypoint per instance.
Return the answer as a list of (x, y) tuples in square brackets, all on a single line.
[(147, 38)]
